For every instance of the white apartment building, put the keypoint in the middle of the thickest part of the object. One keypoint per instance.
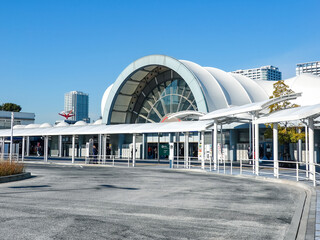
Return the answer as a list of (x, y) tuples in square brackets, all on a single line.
[(266, 73), (309, 67)]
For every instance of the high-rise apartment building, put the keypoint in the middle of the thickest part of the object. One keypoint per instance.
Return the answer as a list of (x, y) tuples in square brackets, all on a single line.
[(309, 67), (267, 73), (78, 102)]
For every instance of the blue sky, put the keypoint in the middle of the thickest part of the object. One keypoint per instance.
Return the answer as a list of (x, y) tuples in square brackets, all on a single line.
[(48, 48)]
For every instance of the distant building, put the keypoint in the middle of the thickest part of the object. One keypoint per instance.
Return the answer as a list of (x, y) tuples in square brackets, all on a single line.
[(20, 118), (267, 73), (309, 67), (78, 102)]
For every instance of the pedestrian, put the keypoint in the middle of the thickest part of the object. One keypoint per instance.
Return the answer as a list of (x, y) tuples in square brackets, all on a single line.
[(95, 153), (155, 153)]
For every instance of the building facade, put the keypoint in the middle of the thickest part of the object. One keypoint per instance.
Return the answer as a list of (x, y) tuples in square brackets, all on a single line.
[(309, 67), (20, 118), (266, 73), (78, 102), (139, 109)]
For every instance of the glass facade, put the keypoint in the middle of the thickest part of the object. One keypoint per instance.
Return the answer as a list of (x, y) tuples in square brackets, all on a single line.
[(78, 102), (168, 97)]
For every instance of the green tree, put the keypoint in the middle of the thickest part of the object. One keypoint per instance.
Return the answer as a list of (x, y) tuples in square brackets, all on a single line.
[(286, 133), (11, 107)]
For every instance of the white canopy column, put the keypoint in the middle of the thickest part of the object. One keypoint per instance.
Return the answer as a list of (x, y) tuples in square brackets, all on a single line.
[(11, 137), (307, 150), (144, 149), (28, 146), (134, 150), (73, 147), (23, 148), (253, 150), (275, 151), (186, 150), (60, 145), (104, 144), (202, 151), (99, 147), (2, 147), (311, 150), (45, 155), (215, 145), (256, 148)]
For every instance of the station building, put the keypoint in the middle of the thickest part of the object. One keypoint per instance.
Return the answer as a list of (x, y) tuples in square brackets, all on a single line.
[(158, 100)]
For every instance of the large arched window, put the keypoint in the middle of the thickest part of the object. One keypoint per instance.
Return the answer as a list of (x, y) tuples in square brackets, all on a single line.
[(168, 97)]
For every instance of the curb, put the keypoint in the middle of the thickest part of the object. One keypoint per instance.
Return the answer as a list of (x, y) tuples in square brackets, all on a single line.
[(16, 177)]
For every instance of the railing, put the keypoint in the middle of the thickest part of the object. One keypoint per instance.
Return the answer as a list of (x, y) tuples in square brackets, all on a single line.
[(6, 157), (291, 170)]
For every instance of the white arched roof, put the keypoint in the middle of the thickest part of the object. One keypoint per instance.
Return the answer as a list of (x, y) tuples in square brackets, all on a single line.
[(212, 88), (104, 98), (237, 95), (308, 85), (254, 90), (149, 61)]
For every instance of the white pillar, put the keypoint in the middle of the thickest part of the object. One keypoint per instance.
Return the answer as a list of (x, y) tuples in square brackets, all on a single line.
[(299, 147), (134, 150), (23, 148), (275, 151), (311, 149), (11, 136), (307, 152), (99, 146), (158, 148), (144, 146), (45, 154), (250, 137), (202, 150), (186, 149), (256, 140), (60, 145), (253, 150), (178, 149), (73, 147), (104, 144), (2, 147), (28, 146), (215, 145)]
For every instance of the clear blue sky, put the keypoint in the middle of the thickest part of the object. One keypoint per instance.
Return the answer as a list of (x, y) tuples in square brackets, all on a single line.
[(48, 48)]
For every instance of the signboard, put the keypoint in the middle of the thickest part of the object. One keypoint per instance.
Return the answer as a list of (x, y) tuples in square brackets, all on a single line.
[(164, 150)]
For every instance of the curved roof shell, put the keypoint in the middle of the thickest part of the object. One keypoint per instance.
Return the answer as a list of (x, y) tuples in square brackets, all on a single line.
[(212, 88)]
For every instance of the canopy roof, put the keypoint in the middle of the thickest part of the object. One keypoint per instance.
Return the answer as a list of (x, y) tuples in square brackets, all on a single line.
[(292, 114), (242, 111), (166, 127)]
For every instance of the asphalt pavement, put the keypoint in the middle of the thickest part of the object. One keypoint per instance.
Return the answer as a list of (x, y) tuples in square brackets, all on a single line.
[(85, 202)]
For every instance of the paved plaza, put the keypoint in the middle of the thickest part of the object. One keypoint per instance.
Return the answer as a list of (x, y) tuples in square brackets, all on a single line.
[(85, 202)]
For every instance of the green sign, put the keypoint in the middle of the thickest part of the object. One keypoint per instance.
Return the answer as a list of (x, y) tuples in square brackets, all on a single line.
[(164, 150)]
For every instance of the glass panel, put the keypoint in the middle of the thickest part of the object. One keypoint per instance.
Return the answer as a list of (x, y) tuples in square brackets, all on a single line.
[(169, 97)]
